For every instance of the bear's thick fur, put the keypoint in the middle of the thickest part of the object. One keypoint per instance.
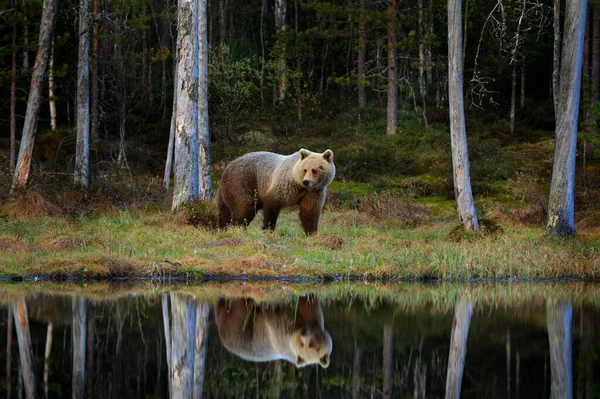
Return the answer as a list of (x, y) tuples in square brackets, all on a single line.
[(269, 181), (264, 333)]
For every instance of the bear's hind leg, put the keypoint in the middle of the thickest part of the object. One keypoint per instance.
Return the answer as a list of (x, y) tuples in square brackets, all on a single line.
[(224, 215), (270, 215), (244, 218)]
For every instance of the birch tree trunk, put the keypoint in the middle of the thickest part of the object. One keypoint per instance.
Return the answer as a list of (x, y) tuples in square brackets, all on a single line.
[(392, 92), (200, 348), (458, 347), (556, 57), (204, 154), (280, 10), (559, 316), (82, 154), (51, 100), (388, 361), (460, 156), (13, 92), (47, 352), (513, 61), (561, 205), (79, 329), (9, 337), (595, 54), (183, 324), (34, 102), (523, 76), (19, 309), (422, 61), (362, 51), (186, 188), (167, 329)]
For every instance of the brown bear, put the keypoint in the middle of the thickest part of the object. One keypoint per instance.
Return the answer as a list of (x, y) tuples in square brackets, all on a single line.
[(269, 181), (263, 333)]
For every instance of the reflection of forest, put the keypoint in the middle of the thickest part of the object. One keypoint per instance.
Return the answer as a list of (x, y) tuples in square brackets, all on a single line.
[(118, 349)]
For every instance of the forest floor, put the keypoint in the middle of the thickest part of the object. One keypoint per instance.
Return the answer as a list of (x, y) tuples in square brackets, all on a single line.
[(390, 215)]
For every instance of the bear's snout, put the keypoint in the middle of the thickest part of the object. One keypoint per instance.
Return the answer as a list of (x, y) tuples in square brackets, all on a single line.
[(306, 183)]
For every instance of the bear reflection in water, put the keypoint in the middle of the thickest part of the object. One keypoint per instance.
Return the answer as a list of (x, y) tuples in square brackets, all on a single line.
[(260, 333)]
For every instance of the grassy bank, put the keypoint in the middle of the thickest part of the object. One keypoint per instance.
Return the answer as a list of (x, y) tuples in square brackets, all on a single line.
[(350, 244)]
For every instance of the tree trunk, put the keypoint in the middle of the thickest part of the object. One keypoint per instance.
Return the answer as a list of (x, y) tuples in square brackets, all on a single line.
[(9, 335), (95, 104), (201, 348), (91, 330), (460, 156), (47, 352), (34, 102), (19, 309), (25, 36), (263, 57), (458, 347), (508, 363), (13, 92), (79, 329), (595, 54), (204, 154), (556, 58), (422, 62), (167, 329), (561, 205), (82, 155), (388, 361), (280, 11), (183, 324), (513, 98), (356, 373), (559, 316), (170, 150), (362, 50), (223, 22), (392, 92), (51, 100), (186, 188)]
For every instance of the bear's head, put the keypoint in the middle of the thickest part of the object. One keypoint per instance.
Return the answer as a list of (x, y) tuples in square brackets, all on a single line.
[(311, 345), (314, 170)]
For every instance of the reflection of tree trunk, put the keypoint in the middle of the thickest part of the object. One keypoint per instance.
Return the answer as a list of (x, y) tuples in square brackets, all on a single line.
[(276, 379), (91, 329), (508, 362), (79, 340), (47, 357), (9, 328), (356, 373), (458, 347), (388, 353), (559, 315), (200, 349), (518, 372), (19, 309), (183, 324), (167, 327)]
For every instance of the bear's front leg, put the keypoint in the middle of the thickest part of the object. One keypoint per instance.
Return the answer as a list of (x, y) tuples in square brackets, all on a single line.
[(270, 214), (310, 211)]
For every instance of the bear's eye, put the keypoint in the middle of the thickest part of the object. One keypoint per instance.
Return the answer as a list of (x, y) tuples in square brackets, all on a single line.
[(304, 170), (314, 171)]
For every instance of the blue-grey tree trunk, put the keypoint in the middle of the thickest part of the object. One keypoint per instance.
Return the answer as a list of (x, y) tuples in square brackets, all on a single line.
[(82, 151), (458, 347), (559, 315)]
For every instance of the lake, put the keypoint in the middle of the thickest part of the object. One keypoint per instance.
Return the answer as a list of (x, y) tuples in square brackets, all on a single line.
[(279, 339)]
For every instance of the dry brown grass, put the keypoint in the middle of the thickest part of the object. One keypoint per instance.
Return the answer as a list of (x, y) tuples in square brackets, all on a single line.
[(58, 243), (10, 245), (390, 206), (30, 206), (331, 242), (223, 242)]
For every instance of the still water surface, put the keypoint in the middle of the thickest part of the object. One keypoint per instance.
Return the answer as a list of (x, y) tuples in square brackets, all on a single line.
[(284, 341)]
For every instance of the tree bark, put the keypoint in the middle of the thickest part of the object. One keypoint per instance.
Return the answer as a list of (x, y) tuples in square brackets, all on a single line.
[(388, 364), (561, 205), (79, 345), (13, 92), (200, 348), (19, 309), (362, 51), (392, 92), (34, 103), (51, 100), (280, 11), (556, 57), (204, 153), (183, 324), (559, 317), (186, 188), (223, 4), (595, 54), (422, 61), (523, 76), (513, 61), (460, 155), (82, 155), (458, 347)]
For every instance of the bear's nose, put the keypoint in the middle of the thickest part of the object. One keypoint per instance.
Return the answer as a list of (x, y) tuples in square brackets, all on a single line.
[(306, 182)]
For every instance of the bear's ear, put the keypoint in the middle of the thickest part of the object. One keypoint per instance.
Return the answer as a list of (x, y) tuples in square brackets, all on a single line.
[(328, 156), (304, 154), (324, 361), (299, 361)]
